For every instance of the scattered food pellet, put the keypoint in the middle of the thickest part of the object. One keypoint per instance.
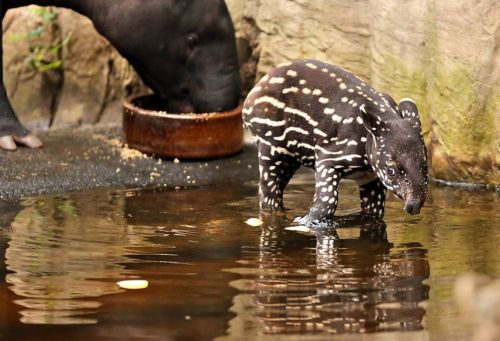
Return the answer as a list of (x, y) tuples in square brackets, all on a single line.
[(300, 228), (176, 160), (133, 284), (118, 170), (254, 222), (187, 317)]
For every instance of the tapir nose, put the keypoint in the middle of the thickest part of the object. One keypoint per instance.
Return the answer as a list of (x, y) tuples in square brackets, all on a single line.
[(412, 206), (219, 100), (221, 95)]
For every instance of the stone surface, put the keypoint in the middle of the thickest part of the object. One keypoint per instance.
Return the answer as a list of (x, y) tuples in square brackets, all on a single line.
[(89, 87), (32, 94), (444, 54), (335, 31), (463, 89), (88, 59)]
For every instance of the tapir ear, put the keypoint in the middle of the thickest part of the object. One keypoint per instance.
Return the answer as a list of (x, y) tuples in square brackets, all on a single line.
[(371, 119), (408, 110)]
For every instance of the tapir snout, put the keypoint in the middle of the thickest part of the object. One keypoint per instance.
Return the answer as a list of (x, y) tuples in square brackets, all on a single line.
[(413, 205), (414, 196)]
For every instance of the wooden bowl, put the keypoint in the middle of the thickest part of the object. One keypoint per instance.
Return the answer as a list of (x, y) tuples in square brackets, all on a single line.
[(186, 136)]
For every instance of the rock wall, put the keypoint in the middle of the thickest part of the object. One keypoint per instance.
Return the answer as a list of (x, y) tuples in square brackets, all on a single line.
[(87, 89), (445, 54)]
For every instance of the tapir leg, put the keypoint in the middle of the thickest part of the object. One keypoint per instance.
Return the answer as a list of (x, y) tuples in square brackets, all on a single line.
[(372, 197), (11, 130), (275, 173), (326, 196)]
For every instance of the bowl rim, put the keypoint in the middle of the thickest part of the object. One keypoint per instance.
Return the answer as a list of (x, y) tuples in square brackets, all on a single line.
[(128, 104)]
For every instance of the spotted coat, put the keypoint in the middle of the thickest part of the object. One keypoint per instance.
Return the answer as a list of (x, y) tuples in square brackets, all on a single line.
[(321, 116)]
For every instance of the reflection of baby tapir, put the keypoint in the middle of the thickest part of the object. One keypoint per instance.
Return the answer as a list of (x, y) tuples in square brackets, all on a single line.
[(318, 115), (322, 285)]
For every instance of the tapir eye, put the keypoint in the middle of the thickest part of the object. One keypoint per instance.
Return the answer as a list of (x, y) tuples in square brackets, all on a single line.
[(191, 40), (391, 171)]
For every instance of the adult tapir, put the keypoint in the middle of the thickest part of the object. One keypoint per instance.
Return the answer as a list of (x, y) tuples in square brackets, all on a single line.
[(182, 49)]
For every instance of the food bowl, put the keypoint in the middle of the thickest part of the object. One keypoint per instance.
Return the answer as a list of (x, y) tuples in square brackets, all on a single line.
[(185, 136)]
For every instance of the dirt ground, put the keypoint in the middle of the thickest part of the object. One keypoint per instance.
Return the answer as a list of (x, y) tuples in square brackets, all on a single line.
[(86, 159)]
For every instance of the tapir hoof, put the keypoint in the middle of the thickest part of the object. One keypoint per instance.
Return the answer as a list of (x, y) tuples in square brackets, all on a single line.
[(30, 141), (9, 142), (312, 223)]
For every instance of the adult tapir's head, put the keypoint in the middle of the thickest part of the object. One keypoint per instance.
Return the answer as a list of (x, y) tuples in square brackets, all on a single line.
[(183, 49), (397, 153)]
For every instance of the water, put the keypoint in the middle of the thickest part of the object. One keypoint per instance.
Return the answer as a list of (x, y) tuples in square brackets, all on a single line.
[(212, 276)]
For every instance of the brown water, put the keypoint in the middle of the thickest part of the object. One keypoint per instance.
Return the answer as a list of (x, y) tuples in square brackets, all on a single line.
[(212, 276)]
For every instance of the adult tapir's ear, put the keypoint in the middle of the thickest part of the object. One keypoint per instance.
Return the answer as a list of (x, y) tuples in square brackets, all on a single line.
[(408, 110), (371, 118)]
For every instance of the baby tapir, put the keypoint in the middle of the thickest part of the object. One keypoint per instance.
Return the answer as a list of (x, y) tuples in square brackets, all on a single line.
[(321, 116)]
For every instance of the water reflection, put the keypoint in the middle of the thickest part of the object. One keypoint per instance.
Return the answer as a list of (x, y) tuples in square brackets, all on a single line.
[(57, 258), (323, 283), (9, 211), (64, 255)]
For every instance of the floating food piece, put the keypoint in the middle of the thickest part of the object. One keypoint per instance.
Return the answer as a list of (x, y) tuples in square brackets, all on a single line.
[(254, 222), (298, 228), (133, 284)]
